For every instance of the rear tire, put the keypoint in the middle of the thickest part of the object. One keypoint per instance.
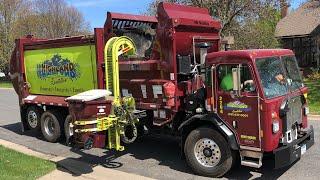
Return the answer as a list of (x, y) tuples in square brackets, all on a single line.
[(50, 126), (33, 116), (207, 152), (68, 129)]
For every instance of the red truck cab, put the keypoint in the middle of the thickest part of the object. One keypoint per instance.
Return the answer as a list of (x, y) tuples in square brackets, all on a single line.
[(268, 110)]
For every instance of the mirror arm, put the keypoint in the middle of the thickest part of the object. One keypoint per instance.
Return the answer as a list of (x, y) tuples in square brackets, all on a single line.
[(239, 80), (236, 76)]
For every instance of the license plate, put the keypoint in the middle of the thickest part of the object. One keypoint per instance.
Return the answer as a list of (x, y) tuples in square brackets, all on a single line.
[(303, 149)]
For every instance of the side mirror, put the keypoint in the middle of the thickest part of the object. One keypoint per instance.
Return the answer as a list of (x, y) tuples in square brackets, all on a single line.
[(236, 80)]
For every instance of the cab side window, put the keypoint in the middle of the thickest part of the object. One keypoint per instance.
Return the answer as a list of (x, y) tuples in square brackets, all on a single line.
[(247, 83), (225, 80)]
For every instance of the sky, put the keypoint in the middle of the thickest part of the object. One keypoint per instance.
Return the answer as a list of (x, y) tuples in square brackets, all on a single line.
[(95, 11)]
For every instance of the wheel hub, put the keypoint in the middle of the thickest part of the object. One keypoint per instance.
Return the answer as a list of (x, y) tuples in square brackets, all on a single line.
[(49, 126), (32, 119), (70, 129), (207, 152)]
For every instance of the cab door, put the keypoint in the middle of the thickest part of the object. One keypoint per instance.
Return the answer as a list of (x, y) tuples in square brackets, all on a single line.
[(239, 109)]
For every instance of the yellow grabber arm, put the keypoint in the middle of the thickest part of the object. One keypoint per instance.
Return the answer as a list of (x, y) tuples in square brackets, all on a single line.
[(114, 48), (122, 108)]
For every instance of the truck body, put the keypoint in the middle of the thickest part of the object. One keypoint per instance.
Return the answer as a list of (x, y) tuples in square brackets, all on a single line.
[(222, 104)]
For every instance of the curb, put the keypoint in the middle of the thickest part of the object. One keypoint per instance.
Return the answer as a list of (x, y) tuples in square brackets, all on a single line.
[(6, 88), (313, 117), (71, 168), (28, 151)]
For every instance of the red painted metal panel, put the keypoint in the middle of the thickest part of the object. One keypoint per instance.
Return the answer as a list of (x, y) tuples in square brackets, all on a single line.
[(56, 43), (131, 17), (188, 15), (82, 111), (136, 86), (100, 43), (137, 65), (248, 54)]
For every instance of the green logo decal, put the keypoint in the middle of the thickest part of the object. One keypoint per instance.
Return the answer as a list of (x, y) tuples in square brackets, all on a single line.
[(61, 71), (57, 66), (237, 105)]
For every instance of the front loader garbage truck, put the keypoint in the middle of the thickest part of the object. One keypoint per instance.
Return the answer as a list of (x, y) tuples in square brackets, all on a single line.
[(165, 74)]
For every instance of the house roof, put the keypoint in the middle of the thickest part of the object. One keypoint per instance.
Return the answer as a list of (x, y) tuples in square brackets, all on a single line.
[(303, 21)]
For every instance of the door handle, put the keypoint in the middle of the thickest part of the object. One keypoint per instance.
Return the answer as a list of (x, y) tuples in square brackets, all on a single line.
[(235, 124)]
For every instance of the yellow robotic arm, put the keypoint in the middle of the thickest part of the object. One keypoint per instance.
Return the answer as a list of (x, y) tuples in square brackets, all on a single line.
[(114, 48), (122, 108)]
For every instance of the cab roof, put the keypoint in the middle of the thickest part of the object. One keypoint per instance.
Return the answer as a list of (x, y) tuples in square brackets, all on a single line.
[(248, 54)]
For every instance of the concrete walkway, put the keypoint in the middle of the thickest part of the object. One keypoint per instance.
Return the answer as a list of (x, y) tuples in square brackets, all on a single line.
[(313, 117), (69, 168), (98, 173)]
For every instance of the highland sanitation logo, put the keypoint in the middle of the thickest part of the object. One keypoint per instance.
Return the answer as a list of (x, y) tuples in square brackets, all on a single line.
[(57, 67)]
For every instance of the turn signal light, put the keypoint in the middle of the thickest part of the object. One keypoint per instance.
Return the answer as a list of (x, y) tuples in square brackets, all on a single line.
[(274, 115)]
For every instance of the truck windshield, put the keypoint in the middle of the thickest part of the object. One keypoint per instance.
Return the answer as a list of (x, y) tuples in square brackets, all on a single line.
[(272, 76), (278, 76), (293, 76)]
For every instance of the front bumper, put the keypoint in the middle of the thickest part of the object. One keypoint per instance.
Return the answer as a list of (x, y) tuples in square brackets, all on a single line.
[(286, 155)]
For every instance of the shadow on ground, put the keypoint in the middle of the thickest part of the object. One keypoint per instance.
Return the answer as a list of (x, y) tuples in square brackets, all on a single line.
[(16, 128), (163, 149)]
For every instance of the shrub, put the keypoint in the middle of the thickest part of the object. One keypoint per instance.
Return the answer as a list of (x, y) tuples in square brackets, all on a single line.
[(315, 75)]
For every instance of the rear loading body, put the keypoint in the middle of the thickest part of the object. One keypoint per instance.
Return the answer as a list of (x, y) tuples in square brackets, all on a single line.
[(221, 104)]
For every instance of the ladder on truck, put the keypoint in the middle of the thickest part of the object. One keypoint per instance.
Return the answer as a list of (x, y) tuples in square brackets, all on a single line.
[(122, 108)]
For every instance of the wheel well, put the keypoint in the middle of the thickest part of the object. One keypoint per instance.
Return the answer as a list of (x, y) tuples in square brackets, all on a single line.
[(62, 110), (194, 125), (23, 111)]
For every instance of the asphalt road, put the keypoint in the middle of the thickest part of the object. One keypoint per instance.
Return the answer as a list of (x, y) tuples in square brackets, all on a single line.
[(155, 157)]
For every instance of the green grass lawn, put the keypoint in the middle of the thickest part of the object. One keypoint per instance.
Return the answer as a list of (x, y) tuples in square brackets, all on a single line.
[(15, 165), (5, 85), (313, 96)]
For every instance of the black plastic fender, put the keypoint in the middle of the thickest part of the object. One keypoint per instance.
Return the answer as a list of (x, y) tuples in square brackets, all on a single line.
[(216, 121)]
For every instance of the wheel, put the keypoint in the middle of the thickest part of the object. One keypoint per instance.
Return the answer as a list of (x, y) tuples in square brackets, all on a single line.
[(50, 126), (33, 115), (130, 134), (207, 152), (68, 128)]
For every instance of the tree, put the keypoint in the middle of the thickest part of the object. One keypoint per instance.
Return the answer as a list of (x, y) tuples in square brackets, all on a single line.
[(241, 19), (57, 19), (41, 18), (9, 13), (259, 32)]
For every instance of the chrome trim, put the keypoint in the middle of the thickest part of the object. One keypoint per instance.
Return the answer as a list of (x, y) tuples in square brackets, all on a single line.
[(214, 109)]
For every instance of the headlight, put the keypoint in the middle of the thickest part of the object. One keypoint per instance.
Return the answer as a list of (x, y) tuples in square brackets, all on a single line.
[(275, 126)]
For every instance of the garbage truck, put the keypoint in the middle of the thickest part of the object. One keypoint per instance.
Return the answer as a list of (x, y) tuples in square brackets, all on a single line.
[(165, 74)]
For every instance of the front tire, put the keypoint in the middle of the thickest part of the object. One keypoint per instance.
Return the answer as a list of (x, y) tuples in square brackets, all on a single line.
[(50, 126), (207, 152)]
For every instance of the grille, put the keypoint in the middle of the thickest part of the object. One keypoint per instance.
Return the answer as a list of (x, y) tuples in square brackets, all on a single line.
[(294, 114)]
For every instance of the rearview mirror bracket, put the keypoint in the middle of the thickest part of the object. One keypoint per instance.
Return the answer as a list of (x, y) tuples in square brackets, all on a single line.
[(236, 77)]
